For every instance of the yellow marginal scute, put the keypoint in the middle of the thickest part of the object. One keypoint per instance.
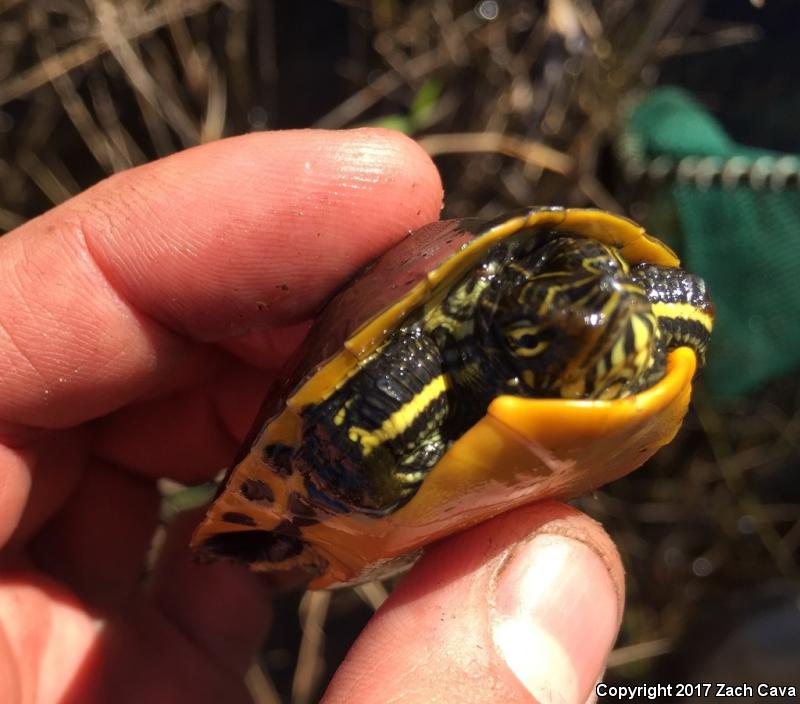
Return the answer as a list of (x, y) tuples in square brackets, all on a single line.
[(630, 239), (399, 421), (286, 429)]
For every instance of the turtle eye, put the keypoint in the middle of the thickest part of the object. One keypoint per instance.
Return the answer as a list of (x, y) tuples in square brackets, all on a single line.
[(526, 339), (537, 350)]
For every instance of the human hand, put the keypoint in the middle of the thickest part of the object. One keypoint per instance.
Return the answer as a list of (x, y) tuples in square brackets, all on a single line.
[(140, 325)]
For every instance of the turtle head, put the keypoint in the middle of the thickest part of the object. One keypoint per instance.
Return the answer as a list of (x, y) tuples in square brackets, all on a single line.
[(576, 321)]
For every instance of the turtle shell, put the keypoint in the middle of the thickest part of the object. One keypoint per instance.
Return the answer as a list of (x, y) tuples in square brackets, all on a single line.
[(522, 450)]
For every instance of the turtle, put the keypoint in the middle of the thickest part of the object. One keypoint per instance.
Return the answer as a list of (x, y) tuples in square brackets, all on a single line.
[(475, 366)]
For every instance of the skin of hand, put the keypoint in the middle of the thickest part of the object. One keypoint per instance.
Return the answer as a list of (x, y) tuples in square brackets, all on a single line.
[(140, 324)]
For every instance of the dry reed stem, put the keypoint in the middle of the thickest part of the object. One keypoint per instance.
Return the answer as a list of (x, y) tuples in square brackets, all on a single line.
[(91, 48), (528, 151)]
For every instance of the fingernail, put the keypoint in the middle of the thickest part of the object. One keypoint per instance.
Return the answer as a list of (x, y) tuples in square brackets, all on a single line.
[(555, 617)]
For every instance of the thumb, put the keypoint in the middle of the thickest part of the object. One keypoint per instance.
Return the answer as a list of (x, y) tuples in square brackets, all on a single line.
[(524, 607)]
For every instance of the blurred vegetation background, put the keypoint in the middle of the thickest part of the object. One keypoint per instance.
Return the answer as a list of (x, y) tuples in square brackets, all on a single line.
[(519, 102)]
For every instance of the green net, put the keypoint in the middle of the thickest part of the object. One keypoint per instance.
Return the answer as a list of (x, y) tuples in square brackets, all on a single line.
[(736, 210)]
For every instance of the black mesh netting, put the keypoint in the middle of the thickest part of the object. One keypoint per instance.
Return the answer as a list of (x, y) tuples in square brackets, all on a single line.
[(738, 212)]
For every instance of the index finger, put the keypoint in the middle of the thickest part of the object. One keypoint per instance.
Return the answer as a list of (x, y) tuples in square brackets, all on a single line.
[(108, 295)]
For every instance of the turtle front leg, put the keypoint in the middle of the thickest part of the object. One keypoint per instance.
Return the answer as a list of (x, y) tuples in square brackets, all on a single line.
[(373, 441)]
